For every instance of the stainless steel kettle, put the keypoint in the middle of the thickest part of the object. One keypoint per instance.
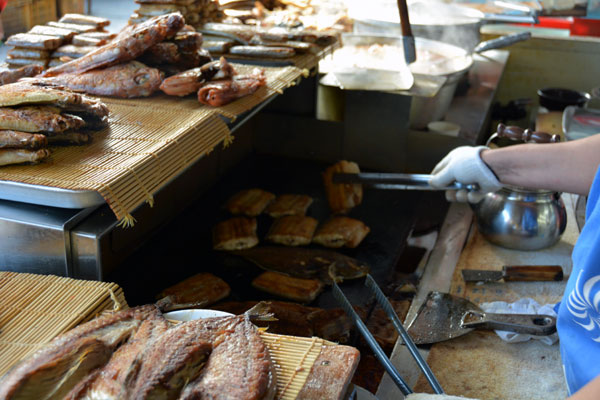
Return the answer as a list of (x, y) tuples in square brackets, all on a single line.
[(521, 218)]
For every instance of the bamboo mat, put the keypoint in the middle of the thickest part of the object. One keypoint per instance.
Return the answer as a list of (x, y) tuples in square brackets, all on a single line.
[(36, 308), (147, 143)]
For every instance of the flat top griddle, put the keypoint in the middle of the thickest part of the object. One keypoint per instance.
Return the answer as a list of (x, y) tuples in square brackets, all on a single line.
[(184, 247)]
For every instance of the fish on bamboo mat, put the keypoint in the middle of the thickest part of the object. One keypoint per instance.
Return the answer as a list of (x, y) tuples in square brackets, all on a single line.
[(8, 75), (220, 92), (307, 263), (53, 370), (198, 291), (188, 82)]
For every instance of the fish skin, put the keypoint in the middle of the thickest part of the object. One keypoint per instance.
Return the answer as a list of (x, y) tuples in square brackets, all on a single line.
[(127, 80), (107, 382), (129, 44), (239, 367), (305, 262), (99, 336)]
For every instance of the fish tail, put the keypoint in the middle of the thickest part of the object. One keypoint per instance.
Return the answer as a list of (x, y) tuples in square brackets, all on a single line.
[(261, 312)]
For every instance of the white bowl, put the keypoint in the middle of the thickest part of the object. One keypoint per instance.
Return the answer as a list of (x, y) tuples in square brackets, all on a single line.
[(192, 314)]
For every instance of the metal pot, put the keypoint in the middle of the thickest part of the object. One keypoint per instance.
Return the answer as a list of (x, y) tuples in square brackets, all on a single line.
[(520, 218)]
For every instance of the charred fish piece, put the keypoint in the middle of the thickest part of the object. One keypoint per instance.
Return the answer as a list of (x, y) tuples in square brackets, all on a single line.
[(107, 382), (125, 47), (341, 232), (250, 202), (308, 263), (70, 138), (239, 367), (21, 140), (8, 75), (188, 82), (53, 370), (162, 53), (221, 92), (20, 156), (197, 291), (235, 234), (292, 230), (128, 80), (263, 51), (35, 119), (297, 289)]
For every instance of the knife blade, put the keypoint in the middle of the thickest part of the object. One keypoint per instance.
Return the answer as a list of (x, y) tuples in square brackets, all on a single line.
[(515, 273), (396, 181)]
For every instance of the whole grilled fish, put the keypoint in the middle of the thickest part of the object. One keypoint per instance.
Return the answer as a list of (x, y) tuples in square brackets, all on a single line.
[(53, 370), (131, 79), (35, 119), (188, 82), (239, 366), (220, 92), (305, 262), (107, 382), (128, 45)]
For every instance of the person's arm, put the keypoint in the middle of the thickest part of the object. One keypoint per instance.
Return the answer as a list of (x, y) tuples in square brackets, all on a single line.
[(591, 391), (563, 167)]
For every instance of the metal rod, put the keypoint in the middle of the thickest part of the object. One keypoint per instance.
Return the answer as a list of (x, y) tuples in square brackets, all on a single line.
[(362, 328), (391, 313)]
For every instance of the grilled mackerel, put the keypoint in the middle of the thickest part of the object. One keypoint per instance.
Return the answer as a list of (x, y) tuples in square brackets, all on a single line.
[(292, 230)]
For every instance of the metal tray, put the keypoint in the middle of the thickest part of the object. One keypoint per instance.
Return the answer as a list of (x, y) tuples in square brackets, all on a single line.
[(49, 196)]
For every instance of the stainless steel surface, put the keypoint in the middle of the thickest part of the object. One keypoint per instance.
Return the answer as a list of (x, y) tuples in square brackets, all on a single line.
[(389, 311), (520, 219), (49, 196), (444, 316), (397, 181), (501, 42), (364, 331)]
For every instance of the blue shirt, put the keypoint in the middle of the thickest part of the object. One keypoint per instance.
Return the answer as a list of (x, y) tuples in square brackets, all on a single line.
[(578, 321)]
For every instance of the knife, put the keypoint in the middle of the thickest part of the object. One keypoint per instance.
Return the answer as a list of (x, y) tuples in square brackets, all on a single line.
[(515, 273), (396, 181)]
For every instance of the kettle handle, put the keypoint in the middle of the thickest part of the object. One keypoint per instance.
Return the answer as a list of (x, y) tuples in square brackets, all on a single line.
[(526, 135), (540, 325)]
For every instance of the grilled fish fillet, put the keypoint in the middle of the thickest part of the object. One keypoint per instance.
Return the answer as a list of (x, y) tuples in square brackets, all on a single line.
[(45, 42), (289, 204), (132, 79), (239, 366), (34, 119), (197, 291), (21, 140), (53, 370), (296, 289), (98, 22), (76, 138), (19, 156), (235, 234), (249, 202), (12, 75), (340, 232), (342, 197), (107, 382), (292, 230), (126, 46)]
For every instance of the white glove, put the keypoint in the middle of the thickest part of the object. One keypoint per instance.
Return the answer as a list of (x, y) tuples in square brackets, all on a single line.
[(464, 165)]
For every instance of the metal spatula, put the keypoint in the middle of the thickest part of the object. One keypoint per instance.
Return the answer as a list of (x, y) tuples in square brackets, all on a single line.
[(444, 316)]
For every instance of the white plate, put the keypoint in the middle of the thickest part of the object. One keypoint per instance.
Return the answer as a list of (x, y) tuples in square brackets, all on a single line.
[(192, 314)]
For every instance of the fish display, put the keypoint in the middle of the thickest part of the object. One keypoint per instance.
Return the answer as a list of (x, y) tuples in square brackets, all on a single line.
[(307, 263), (127, 80), (126, 46), (56, 368)]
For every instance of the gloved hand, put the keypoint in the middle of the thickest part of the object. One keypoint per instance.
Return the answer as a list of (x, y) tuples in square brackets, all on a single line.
[(464, 165)]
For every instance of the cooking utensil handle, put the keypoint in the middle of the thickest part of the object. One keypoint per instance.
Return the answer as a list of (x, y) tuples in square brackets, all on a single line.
[(391, 313), (502, 41), (526, 135), (532, 273), (539, 325), (364, 331), (408, 41)]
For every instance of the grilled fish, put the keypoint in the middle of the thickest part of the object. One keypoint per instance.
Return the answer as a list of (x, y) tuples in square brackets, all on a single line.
[(188, 82), (53, 370), (342, 197), (132, 79), (125, 47), (307, 263), (219, 93), (68, 138), (19, 156), (30, 40), (12, 75), (107, 382), (35, 119), (97, 22), (250, 202), (239, 366), (292, 230), (235, 234), (297, 289), (197, 291), (21, 140), (263, 51), (289, 204), (340, 232)]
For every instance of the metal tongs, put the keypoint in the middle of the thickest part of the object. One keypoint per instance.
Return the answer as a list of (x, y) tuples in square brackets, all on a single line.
[(379, 354), (397, 181)]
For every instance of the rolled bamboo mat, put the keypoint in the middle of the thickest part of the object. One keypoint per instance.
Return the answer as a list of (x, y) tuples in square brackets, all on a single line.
[(36, 308), (294, 358), (147, 143)]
